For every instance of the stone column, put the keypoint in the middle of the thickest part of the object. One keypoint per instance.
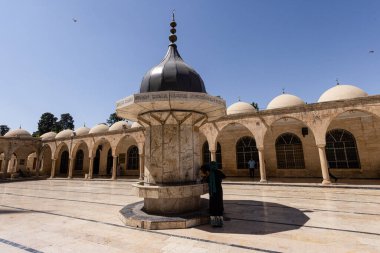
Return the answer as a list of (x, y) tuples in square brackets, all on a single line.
[(141, 166), (4, 169), (114, 167), (263, 176), (53, 168), (71, 168), (38, 162), (91, 168), (324, 165), (213, 155)]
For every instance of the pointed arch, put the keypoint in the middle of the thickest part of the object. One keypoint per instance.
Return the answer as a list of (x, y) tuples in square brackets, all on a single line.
[(109, 162), (341, 149), (133, 158), (245, 150), (46, 160), (289, 152), (99, 152), (79, 157), (64, 163), (206, 155)]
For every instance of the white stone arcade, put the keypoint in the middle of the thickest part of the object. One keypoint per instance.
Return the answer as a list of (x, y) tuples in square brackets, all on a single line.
[(171, 120)]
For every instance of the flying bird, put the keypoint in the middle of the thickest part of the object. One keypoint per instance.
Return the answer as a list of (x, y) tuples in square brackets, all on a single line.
[(371, 51), (75, 20)]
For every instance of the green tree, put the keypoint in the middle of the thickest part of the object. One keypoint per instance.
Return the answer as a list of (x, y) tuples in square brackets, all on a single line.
[(47, 123), (255, 105), (66, 122), (3, 129), (113, 119)]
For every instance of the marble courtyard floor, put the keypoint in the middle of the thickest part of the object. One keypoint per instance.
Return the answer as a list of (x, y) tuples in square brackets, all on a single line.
[(82, 216)]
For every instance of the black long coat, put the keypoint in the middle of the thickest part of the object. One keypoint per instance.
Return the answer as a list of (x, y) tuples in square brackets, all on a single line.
[(216, 199)]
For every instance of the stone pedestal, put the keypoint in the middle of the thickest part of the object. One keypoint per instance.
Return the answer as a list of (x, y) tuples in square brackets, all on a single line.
[(170, 199)]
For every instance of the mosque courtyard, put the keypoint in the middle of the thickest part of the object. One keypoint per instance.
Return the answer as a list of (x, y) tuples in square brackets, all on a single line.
[(82, 216)]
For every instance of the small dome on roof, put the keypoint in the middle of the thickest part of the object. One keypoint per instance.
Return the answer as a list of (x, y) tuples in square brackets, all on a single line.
[(285, 100), (100, 128), (240, 107), (135, 125), (64, 134), (48, 136), (119, 126), (342, 91), (18, 133), (82, 131)]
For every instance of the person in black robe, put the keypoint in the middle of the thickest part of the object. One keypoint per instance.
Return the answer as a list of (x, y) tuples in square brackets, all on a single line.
[(213, 176)]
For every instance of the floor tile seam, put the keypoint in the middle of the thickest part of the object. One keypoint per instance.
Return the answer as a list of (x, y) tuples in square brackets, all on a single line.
[(348, 197), (66, 181), (272, 206), (346, 186), (324, 187), (19, 246), (309, 186), (317, 185), (147, 231), (283, 197), (71, 200), (255, 190), (306, 226), (318, 197), (24, 180), (306, 209), (133, 195), (103, 203), (232, 194), (343, 193), (93, 179), (80, 184), (92, 186), (42, 189), (227, 194)]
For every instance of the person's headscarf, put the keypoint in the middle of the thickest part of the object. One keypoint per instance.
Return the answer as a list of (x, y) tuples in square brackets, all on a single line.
[(212, 178)]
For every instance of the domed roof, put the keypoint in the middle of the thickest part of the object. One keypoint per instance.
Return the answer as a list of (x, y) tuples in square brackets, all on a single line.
[(172, 73), (48, 136), (64, 134), (240, 107), (342, 91), (82, 131), (18, 133), (119, 126), (135, 125), (100, 128), (285, 100)]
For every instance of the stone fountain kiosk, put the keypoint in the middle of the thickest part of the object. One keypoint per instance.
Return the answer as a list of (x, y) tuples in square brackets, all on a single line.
[(171, 106)]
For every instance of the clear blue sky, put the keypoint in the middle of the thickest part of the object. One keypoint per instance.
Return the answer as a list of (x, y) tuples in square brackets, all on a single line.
[(246, 48)]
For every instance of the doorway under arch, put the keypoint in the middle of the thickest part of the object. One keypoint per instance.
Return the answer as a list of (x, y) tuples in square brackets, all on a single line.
[(109, 162), (97, 161), (64, 165)]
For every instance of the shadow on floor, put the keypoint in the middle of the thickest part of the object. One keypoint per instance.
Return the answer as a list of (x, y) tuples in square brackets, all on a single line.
[(8, 211), (259, 218)]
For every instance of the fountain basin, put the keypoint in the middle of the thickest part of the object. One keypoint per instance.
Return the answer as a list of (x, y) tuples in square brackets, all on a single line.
[(169, 199)]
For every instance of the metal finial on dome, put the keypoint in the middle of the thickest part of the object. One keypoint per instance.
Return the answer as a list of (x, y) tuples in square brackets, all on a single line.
[(172, 73), (173, 24), (337, 81), (283, 90)]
